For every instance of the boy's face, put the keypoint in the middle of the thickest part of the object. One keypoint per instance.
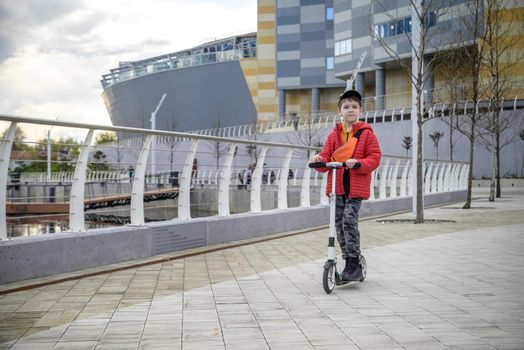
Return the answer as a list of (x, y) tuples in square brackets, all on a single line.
[(349, 110)]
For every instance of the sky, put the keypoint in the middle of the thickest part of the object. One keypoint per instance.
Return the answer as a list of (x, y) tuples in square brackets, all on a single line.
[(54, 52)]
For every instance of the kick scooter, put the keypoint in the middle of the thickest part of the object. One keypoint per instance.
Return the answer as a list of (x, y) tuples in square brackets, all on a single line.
[(332, 272)]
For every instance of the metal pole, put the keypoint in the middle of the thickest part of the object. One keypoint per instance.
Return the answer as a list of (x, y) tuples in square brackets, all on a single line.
[(49, 155), (153, 127)]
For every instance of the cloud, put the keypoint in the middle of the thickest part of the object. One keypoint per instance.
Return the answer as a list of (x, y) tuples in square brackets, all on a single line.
[(21, 20), (52, 57)]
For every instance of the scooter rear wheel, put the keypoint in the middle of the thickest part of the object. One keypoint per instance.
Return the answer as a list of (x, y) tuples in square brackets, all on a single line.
[(328, 280)]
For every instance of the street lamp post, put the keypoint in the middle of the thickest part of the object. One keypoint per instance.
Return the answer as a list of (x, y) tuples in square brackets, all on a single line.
[(153, 127), (49, 155), (49, 151)]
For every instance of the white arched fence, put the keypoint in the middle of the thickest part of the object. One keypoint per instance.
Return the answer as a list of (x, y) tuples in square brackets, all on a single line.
[(390, 180)]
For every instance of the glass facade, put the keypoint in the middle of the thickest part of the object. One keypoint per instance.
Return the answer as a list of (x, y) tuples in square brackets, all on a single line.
[(400, 26), (229, 49)]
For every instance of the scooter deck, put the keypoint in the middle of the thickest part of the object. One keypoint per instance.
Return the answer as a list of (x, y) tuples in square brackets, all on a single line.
[(340, 282)]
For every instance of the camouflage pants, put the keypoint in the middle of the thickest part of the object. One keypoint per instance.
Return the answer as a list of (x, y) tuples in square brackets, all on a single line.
[(346, 222)]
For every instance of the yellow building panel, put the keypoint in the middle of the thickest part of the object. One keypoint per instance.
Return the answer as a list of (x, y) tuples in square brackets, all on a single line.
[(266, 9), (269, 25), (250, 71), (266, 86), (329, 98), (267, 70), (291, 99), (267, 108), (512, 15), (266, 40)]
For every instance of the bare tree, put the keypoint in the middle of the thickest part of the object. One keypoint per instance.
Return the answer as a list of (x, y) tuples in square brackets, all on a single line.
[(502, 56), (471, 24), (435, 137), (219, 147), (102, 139), (454, 92), (495, 133), (307, 133), (406, 144), (426, 40), (252, 150)]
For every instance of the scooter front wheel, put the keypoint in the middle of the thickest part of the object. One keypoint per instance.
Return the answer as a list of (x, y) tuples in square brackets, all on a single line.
[(364, 267), (328, 280)]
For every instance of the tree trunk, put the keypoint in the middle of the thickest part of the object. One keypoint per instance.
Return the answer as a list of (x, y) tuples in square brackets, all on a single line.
[(497, 149), (451, 139), (420, 171), (522, 166), (467, 205), (493, 171)]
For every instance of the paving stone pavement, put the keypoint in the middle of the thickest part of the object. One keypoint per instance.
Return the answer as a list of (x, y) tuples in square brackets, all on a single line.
[(455, 285)]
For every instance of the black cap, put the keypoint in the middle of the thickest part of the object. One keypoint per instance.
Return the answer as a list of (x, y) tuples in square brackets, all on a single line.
[(349, 94)]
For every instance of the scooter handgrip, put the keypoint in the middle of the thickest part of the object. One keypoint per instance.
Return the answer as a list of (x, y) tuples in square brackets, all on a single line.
[(317, 165)]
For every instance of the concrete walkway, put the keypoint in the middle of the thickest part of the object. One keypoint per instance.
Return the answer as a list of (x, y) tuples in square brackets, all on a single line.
[(454, 285)]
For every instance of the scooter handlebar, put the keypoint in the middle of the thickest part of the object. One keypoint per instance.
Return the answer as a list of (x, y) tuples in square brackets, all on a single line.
[(332, 165)]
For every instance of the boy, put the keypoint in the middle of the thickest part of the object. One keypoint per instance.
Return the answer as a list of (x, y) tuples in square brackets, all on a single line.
[(352, 184)]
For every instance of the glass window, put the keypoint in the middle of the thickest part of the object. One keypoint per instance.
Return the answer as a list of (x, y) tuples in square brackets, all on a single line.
[(342, 47), (400, 27), (384, 30), (329, 14), (432, 19), (407, 24), (391, 31), (337, 48), (330, 63)]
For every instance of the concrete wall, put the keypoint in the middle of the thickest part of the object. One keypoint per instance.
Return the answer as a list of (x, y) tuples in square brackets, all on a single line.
[(39, 256)]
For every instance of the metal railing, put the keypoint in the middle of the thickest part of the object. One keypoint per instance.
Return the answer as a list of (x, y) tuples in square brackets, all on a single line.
[(169, 62), (396, 110), (286, 172)]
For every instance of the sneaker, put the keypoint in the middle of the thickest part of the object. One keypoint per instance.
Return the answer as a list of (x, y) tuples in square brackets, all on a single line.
[(356, 274), (346, 268), (352, 265)]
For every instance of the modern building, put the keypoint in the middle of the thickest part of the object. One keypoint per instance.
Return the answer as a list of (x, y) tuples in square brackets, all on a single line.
[(297, 64), (318, 45), (205, 87)]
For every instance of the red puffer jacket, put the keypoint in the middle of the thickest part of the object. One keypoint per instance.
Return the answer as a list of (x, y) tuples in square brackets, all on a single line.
[(367, 153)]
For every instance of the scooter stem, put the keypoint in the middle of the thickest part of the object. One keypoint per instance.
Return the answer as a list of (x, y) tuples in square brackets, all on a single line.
[(332, 207)]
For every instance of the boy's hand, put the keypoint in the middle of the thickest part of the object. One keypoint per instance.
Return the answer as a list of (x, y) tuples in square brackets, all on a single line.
[(350, 163), (316, 159)]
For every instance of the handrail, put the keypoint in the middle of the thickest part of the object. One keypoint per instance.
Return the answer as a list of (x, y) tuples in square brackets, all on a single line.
[(390, 179), (125, 129)]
